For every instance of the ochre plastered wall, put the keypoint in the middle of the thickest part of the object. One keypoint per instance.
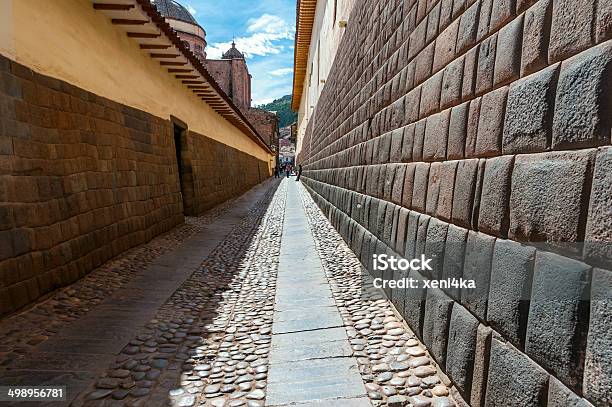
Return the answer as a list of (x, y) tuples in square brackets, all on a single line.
[(70, 41)]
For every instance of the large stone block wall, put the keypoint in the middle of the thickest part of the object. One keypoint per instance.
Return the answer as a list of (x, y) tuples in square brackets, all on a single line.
[(477, 132), (83, 178)]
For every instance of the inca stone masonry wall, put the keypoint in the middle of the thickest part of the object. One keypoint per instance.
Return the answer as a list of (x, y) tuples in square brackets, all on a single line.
[(83, 178), (468, 131)]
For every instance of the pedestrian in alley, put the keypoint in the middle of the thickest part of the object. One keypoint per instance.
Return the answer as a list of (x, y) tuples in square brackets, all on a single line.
[(276, 172), (288, 170), (299, 172)]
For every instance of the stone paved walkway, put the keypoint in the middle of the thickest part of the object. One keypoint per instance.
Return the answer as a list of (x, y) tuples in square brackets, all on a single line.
[(257, 303), (311, 357)]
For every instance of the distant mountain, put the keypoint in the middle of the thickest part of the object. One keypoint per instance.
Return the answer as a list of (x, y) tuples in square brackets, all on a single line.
[(282, 107)]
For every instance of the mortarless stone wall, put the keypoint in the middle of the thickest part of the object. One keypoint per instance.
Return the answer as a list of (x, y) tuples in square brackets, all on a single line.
[(83, 178), (470, 131)]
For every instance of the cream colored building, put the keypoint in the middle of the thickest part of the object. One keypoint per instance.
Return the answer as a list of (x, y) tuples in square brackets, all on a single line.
[(320, 26)]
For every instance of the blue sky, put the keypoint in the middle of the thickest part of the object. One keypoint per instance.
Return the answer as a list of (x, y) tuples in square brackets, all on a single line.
[(263, 30)]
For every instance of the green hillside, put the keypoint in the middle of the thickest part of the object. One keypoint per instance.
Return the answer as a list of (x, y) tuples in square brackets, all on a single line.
[(282, 107)]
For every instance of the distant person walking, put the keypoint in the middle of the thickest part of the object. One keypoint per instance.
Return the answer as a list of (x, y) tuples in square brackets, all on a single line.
[(288, 170), (276, 171), (299, 172)]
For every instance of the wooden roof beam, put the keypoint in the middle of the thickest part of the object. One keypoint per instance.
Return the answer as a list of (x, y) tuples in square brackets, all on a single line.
[(123, 21), (143, 35), (157, 55), (154, 46), (110, 6)]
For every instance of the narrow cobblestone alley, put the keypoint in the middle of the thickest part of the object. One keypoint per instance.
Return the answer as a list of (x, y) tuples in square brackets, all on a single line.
[(259, 302)]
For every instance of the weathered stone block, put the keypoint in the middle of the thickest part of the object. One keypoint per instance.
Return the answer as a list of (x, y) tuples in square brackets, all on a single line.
[(414, 304), (477, 267), (436, 134), (472, 127), (423, 64), (454, 255), (465, 188), (598, 236), (603, 25), (451, 84), (486, 65), (389, 181), (491, 123), (559, 316), (417, 39), (461, 349), (433, 19), (570, 32), (495, 194), (380, 183), (395, 155), (508, 55), (514, 380), (529, 111), (501, 12), (421, 235), (535, 37), (398, 184), (419, 192), (597, 385), (435, 324), (468, 27), (484, 20), (419, 136), (434, 247), (510, 289), (547, 201), (457, 130), (446, 11), (445, 46), (469, 74), (430, 97), (481, 366), (407, 143), (434, 187), (561, 396), (407, 188), (444, 207), (384, 148), (522, 5), (402, 227), (411, 235), (584, 98)]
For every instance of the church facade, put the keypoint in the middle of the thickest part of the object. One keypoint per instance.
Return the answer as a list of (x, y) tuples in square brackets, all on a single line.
[(230, 72)]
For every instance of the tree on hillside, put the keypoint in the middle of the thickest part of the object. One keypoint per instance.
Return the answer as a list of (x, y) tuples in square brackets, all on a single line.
[(282, 107)]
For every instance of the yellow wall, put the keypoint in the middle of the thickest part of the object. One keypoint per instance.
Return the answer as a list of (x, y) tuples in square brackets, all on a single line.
[(69, 40)]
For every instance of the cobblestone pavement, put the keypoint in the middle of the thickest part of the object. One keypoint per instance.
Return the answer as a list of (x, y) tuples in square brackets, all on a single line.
[(195, 318)]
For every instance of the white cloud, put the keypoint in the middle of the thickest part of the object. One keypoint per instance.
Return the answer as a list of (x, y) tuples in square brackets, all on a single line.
[(192, 10), (281, 72), (263, 101), (265, 32)]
